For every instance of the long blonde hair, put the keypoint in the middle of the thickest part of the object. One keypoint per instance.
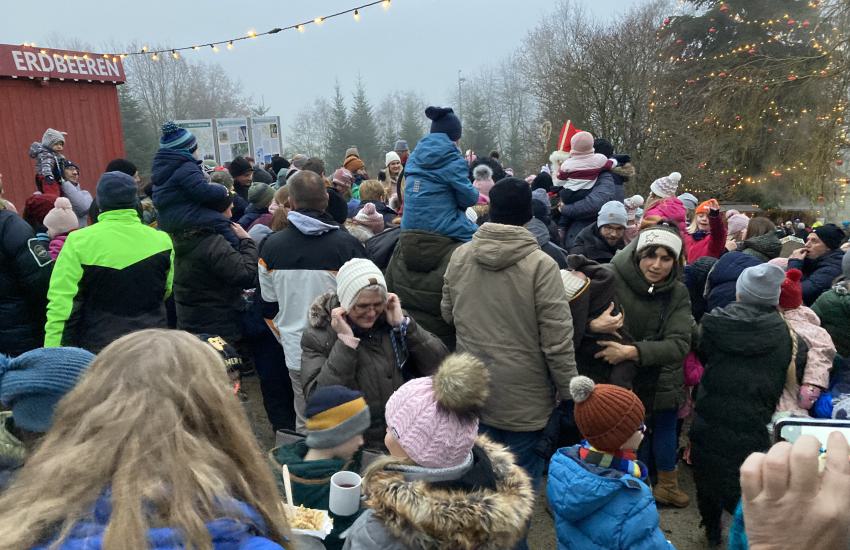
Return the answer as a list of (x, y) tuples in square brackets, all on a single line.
[(154, 421)]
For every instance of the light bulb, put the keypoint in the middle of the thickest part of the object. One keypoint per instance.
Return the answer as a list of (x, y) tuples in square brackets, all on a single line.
[(230, 45), (319, 20), (357, 15)]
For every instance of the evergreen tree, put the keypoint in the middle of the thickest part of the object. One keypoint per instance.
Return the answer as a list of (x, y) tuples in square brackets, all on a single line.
[(412, 120), (364, 132), (477, 130), (339, 130), (751, 97), (140, 137)]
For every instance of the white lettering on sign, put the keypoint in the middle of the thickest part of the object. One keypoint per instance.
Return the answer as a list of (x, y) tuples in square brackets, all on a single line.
[(19, 61), (61, 66), (112, 68), (46, 62), (31, 61), (23, 62)]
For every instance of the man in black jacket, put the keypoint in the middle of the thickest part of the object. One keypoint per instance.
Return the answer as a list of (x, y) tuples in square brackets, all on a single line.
[(299, 263), (601, 240), (25, 268)]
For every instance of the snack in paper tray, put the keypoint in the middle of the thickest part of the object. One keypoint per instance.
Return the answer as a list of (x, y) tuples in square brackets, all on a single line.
[(309, 521)]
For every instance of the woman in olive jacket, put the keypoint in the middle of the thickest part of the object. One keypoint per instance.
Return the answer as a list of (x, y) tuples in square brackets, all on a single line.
[(657, 315)]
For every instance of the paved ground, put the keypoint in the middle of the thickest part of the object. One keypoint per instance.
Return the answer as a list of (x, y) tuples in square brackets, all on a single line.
[(681, 526)]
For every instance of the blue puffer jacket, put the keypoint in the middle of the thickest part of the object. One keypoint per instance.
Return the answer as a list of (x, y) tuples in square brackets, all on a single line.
[(227, 533), (601, 509), (723, 277), (182, 195), (437, 189)]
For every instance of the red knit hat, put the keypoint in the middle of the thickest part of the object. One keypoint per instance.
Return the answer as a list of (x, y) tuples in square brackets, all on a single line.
[(791, 296), (606, 415)]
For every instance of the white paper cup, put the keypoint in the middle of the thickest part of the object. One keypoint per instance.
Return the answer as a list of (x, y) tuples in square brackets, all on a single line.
[(345, 493)]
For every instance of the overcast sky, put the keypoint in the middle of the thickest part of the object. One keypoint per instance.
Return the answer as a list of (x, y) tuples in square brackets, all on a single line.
[(416, 44)]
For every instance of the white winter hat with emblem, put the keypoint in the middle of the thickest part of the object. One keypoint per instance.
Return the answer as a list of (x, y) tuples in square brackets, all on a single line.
[(660, 235)]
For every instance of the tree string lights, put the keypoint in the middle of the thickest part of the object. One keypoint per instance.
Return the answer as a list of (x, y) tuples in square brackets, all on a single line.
[(746, 82), (230, 43)]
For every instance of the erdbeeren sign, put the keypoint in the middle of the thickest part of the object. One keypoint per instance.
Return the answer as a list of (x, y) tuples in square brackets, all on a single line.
[(30, 62)]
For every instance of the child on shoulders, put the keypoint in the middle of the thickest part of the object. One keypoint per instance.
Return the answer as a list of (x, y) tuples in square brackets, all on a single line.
[(182, 195)]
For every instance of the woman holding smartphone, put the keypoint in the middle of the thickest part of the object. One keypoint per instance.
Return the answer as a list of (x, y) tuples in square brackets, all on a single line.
[(359, 337)]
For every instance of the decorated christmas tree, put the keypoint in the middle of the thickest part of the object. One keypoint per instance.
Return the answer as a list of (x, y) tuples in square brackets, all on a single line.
[(753, 98)]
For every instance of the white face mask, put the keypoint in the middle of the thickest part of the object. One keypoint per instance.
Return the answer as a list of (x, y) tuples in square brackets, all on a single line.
[(197, 154)]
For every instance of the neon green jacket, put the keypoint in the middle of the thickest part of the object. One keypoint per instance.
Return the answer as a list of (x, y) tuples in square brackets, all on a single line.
[(110, 279)]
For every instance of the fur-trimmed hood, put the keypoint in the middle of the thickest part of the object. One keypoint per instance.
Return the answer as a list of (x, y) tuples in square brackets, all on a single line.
[(320, 309), (426, 516), (625, 171)]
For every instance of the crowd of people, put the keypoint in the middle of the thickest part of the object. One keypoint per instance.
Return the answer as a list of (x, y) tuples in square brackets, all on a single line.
[(485, 339)]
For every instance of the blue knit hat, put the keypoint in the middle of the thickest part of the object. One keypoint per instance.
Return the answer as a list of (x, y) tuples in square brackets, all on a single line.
[(115, 191), (444, 121), (175, 137), (33, 383)]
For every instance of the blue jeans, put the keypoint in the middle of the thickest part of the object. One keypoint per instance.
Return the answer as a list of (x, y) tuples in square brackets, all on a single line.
[(661, 443), (524, 445)]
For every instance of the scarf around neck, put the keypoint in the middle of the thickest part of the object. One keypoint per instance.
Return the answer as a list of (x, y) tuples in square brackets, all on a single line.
[(622, 461)]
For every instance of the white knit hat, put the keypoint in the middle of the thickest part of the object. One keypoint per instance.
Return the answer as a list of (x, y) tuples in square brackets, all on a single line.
[(355, 275), (666, 186), (391, 157)]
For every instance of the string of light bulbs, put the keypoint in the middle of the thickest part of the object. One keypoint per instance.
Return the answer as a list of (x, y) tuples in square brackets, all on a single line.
[(229, 43)]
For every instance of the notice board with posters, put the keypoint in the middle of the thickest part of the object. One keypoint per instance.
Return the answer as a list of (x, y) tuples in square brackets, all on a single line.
[(204, 131), (265, 138), (233, 137)]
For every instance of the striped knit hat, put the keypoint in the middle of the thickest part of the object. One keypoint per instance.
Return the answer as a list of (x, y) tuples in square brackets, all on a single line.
[(33, 383), (175, 137), (335, 414)]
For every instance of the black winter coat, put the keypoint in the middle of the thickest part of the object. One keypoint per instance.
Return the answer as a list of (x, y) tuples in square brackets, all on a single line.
[(746, 351), (209, 276), (25, 268), (590, 244), (415, 273)]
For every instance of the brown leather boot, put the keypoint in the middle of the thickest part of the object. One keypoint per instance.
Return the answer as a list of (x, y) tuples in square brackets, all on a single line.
[(667, 490)]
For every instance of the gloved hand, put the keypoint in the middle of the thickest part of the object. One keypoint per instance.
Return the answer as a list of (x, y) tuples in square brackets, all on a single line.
[(807, 396), (823, 406)]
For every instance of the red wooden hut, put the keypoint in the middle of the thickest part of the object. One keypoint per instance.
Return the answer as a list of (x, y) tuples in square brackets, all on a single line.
[(74, 92)]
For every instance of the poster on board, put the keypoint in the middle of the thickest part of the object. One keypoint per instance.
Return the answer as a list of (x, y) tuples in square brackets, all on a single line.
[(232, 138), (266, 139), (204, 132)]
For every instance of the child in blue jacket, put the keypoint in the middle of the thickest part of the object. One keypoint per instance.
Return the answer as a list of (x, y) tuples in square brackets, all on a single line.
[(597, 490), (182, 194), (437, 190)]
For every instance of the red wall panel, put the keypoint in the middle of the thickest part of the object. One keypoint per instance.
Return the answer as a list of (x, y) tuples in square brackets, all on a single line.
[(87, 111)]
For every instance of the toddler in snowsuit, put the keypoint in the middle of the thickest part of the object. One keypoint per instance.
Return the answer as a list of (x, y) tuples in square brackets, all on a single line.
[(586, 306), (183, 196), (49, 162)]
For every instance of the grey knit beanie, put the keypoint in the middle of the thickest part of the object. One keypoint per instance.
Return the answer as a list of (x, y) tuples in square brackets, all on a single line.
[(760, 285)]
